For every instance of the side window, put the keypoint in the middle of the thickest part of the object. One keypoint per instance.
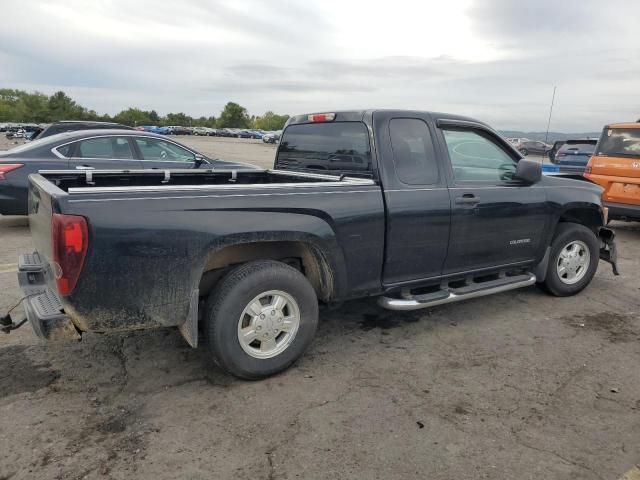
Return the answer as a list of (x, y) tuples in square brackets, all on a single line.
[(104, 147), (477, 157), (156, 149), (413, 154), (65, 150)]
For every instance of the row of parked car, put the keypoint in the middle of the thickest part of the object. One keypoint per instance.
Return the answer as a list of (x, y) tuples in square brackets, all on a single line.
[(89, 147), (266, 136), (33, 131), (569, 153)]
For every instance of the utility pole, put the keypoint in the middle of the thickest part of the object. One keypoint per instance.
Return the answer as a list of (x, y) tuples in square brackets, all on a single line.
[(553, 97)]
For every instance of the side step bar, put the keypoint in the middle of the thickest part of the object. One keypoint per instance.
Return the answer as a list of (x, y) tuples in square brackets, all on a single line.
[(472, 290)]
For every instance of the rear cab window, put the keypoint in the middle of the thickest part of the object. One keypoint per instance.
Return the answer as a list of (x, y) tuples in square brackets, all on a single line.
[(331, 147), (619, 142)]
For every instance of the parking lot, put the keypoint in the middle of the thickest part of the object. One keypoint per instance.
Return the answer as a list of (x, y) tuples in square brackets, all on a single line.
[(519, 385)]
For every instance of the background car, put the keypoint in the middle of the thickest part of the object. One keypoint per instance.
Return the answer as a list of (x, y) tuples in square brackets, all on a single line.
[(615, 166), (244, 134), (272, 137), (572, 150), (204, 131), (117, 149), (16, 133), (178, 130), (227, 132), (534, 147), (575, 156), (558, 144)]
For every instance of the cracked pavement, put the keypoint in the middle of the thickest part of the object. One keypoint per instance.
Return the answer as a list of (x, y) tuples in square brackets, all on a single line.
[(518, 385)]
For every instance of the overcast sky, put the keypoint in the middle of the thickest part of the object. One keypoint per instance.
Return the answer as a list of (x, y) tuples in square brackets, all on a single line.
[(496, 60)]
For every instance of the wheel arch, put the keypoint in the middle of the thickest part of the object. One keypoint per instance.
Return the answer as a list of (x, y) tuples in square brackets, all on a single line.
[(316, 261), (588, 215)]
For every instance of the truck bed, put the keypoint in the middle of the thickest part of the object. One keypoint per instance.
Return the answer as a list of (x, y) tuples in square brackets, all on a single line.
[(189, 179), (158, 232)]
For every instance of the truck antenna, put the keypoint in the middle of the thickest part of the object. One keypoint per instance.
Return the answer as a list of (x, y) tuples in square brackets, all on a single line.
[(553, 97)]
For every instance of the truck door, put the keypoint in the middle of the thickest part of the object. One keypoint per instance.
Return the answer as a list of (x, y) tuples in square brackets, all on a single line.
[(495, 220), (416, 198)]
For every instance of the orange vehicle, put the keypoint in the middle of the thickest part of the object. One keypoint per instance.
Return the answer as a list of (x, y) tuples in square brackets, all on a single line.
[(615, 166)]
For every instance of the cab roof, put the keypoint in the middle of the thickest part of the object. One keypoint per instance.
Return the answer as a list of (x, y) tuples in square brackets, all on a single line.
[(624, 125), (359, 115)]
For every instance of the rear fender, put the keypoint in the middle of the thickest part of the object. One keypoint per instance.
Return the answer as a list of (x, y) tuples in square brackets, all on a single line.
[(324, 247)]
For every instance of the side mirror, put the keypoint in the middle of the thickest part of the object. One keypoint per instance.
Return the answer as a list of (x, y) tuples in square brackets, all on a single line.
[(528, 171), (199, 160)]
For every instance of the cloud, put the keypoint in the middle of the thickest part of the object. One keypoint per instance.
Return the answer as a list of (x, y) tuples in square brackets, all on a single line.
[(496, 60)]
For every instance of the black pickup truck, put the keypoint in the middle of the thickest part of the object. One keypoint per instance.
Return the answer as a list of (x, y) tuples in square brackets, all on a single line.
[(417, 208)]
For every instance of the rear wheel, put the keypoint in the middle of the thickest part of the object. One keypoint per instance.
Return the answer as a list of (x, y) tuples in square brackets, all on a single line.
[(524, 151), (573, 261), (260, 319)]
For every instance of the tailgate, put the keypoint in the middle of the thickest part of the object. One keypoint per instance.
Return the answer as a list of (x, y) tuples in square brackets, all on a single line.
[(36, 276), (616, 167), (42, 201), (620, 177)]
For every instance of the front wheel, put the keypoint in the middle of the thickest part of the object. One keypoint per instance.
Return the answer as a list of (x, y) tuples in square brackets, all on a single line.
[(260, 319), (573, 260)]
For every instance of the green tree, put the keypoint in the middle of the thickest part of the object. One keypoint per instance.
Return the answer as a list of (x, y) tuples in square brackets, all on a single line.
[(234, 116), (133, 117), (270, 121), (180, 119), (20, 106), (62, 107)]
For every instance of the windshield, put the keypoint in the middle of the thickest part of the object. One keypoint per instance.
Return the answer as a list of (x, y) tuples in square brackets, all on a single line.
[(620, 142)]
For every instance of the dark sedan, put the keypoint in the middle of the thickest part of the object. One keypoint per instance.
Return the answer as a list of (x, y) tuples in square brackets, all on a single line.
[(89, 150), (533, 147)]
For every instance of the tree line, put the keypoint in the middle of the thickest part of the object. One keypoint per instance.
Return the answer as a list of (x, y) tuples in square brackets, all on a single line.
[(19, 106)]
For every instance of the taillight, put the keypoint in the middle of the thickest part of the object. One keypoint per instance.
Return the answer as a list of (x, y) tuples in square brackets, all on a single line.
[(322, 117), (588, 169), (70, 240), (8, 167)]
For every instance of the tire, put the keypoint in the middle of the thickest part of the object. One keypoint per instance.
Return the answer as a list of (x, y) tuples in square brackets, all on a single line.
[(571, 238), (228, 312), (524, 151)]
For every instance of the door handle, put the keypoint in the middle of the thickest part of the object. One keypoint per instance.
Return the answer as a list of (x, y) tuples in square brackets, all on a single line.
[(468, 199), (84, 167)]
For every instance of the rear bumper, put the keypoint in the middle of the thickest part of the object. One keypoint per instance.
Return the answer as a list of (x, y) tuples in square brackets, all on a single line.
[(41, 304), (608, 248), (623, 210)]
